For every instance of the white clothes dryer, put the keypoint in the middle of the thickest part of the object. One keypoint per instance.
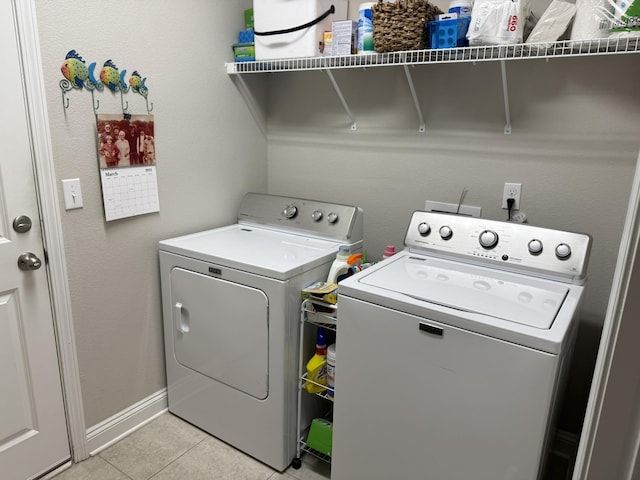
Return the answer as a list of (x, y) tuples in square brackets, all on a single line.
[(231, 305), (452, 354)]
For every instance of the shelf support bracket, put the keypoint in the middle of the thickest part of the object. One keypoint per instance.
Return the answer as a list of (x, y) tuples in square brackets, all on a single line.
[(505, 92), (407, 72), (342, 99), (251, 102)]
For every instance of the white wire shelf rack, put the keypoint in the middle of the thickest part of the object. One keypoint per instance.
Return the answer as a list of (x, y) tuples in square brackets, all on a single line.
[(569, 48), (406, 59), (322, 394), (305, 448), (327, 320)]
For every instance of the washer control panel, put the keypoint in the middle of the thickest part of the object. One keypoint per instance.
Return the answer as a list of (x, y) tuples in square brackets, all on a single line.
[(311, 217), (512, 246)]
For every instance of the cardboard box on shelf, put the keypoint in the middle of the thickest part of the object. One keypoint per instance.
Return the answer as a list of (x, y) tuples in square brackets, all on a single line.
[(344, 37)]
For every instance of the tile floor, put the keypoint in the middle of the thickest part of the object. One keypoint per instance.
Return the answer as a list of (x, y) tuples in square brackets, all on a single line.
[(169, 448)]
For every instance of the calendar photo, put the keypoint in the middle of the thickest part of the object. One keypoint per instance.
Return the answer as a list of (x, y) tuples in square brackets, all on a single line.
[(126, 142), (127, 162)]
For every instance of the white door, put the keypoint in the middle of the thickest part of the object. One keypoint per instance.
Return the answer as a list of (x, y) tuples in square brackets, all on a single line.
[(33, 432)]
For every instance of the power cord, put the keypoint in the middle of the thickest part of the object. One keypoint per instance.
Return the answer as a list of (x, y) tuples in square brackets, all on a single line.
[(510, 202)]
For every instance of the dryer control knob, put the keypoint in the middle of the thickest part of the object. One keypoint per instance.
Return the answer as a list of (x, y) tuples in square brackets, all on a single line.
[(563, 251), (290, 211), (535, 247), (316, 216), (445, 232), (332, 217), (488, 239), (424, 229)]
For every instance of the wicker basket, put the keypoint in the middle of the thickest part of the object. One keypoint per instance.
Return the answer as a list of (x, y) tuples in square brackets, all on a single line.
[(402, 25)]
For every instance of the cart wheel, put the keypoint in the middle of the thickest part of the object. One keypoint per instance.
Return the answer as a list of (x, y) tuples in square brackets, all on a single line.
[(296, 463)]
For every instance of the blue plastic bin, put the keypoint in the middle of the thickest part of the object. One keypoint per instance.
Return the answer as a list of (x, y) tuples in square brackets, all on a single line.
[(450, 33)]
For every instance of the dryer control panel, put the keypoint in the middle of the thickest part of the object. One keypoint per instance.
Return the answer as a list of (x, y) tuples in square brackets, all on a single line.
[(518, 247), (310, 217)]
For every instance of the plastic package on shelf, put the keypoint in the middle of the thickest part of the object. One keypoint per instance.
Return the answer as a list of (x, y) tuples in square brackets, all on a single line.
[(488, 20), (554, 22), (627, 18), (597, 19), (321, 292), (593, 20)]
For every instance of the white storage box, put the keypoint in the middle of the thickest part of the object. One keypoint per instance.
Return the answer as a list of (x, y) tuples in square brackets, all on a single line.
[(344, 39), (279, 15)]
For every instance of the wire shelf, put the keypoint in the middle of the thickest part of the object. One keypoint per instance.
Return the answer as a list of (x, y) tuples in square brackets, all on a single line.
[(324, 393), (327, 320), (569, 48), (315, 453)]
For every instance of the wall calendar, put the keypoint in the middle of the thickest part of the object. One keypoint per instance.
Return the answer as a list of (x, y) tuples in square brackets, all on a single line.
[(127, 159)]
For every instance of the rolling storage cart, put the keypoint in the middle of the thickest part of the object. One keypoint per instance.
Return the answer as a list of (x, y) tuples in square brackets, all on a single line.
[(311, 317)]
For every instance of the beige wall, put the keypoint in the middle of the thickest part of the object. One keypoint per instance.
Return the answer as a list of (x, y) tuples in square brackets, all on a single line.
[(575, 140), (574, 144), (209, 152)]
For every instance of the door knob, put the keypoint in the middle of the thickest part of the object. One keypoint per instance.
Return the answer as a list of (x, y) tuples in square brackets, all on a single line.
[(22, 224), (29, 261)]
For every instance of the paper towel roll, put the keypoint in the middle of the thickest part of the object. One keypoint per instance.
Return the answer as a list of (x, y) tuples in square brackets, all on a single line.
[(593, 20)]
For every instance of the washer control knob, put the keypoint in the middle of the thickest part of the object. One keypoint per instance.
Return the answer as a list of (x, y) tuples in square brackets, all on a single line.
[(488, 239), (290, 211), (535, 247), (563, 251), (316, 216), (332, 217), (424, 229), (445, 232)]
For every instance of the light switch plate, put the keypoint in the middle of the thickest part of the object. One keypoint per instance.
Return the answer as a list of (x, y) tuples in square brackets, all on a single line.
[(72, 193)]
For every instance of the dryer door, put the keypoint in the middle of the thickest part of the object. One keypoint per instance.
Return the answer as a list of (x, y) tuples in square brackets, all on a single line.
[(221, 330)]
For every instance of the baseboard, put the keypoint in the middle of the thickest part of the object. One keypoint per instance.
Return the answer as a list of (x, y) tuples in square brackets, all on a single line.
[(123, 423)]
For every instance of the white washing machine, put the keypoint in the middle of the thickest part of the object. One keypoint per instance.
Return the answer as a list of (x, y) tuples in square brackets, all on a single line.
[(451, 355), (231, 307)]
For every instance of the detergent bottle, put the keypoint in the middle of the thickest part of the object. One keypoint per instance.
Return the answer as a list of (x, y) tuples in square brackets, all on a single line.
[(389, 251), (340, 265), (317, 366)]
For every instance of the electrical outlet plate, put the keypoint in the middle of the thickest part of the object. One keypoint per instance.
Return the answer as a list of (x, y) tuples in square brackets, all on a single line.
[(512, 190)]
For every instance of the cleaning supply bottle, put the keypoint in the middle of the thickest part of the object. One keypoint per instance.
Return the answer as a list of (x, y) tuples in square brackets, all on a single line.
[(317, 365), (340, 265), (389, 251), (331, 369)]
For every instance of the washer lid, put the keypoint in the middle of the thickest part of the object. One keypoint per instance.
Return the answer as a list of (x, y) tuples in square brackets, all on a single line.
[(266, 252), (515, 298)]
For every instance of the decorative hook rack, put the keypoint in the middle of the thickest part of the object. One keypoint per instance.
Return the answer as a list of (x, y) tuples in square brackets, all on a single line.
[(65, 86), (138, 85), (92, 85), (78, 75)]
